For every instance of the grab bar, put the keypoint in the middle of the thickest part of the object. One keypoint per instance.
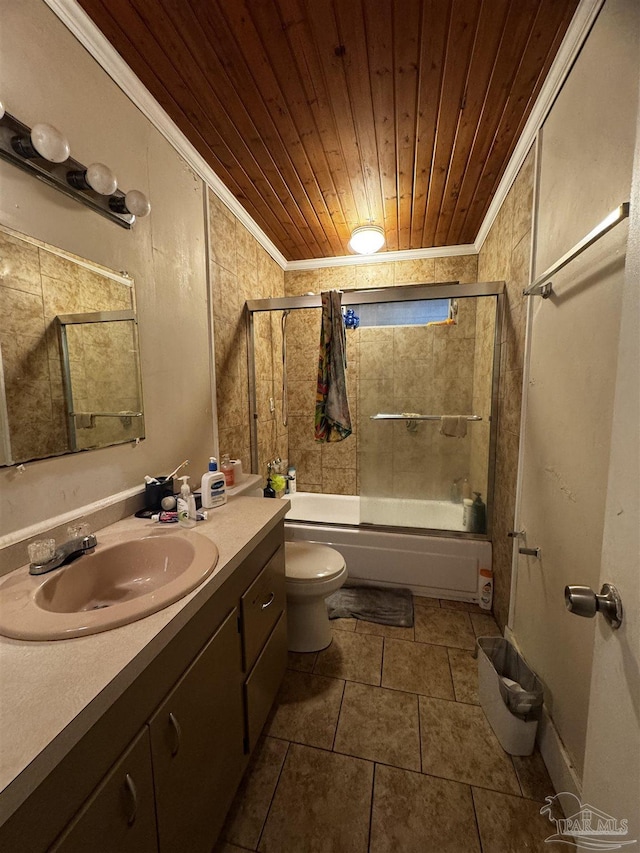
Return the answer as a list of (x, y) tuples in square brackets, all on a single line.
[(106, 414), (541, 286), (410, 416)]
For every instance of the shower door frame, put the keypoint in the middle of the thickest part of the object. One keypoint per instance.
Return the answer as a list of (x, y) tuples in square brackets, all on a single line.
[(392, 293)]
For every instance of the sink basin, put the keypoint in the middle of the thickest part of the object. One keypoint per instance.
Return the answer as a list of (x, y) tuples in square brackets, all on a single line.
[(121, 582)]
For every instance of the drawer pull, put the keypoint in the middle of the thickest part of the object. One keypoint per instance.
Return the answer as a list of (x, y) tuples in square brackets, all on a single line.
[(130, 786), (178, 734), (269, 602)]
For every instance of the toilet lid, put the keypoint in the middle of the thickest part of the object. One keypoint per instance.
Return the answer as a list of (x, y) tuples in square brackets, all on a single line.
[(308, 561)]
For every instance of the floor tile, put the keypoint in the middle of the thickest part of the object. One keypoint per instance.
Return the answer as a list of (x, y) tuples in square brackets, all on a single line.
[(381, 725), (466, 606), (302, 661), (484, 625), (384, 630), (344, 624), (413, 813), (533, 776), (356, 657), (464, 670), (306, 710), (322, 804), (425, 601), (417, 668), (458, 743), (251, 805), (444, 627), (511, 824)]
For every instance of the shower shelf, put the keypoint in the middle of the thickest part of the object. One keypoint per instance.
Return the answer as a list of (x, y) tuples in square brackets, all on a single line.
[(408, 416)]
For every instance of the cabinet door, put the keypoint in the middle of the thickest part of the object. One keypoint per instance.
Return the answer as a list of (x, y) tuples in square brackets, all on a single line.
[(264, 681), (197, 745), (120, 814)]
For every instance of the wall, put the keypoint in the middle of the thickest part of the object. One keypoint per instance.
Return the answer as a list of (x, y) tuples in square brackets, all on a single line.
[(387, 370), (586, 162), (505, 254), (240, 269), (164, 253)]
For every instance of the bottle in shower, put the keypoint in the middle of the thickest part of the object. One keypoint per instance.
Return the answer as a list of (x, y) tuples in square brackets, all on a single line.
[(479, 514)]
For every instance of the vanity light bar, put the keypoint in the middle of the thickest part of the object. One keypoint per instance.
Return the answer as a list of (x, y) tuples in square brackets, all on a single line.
[(94, 186)]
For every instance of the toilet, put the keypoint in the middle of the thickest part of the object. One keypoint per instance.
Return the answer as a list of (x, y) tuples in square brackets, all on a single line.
[(312, 573)]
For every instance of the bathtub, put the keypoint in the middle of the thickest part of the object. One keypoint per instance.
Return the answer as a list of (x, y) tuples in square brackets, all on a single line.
[(429, 563)]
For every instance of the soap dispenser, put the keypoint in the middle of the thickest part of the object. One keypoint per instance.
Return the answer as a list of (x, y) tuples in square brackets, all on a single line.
[(186, 505)]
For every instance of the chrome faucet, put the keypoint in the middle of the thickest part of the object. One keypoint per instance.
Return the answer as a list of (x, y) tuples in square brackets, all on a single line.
[(65, 554)]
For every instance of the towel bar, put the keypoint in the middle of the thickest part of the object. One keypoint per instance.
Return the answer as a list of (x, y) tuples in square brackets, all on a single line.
[(410, 416)]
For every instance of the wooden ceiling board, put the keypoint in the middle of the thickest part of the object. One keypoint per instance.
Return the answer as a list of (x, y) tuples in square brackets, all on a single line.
[(322, 115)]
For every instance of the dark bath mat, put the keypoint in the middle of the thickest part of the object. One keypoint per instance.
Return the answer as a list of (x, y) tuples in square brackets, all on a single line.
[(372, 604)]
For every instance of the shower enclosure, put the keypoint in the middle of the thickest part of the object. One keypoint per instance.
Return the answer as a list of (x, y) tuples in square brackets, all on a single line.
[(422, 381)]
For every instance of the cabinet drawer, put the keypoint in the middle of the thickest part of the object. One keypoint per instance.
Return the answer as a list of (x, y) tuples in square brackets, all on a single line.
[(261, 687), (261, 606), (120, 814)]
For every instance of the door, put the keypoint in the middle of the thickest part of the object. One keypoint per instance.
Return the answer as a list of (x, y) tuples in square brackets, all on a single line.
[(612, 756), (585, 166)]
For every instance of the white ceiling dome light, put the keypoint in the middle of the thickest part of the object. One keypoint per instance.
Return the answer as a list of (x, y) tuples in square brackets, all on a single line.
[(367, 239)]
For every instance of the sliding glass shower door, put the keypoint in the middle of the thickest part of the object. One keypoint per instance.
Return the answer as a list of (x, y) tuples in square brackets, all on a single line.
[(426, 398)]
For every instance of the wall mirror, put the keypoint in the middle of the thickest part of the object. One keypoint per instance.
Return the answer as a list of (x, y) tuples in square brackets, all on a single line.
[(69, 357)]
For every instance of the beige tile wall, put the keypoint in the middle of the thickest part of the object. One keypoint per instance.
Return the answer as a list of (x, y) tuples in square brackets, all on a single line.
[(240, 269), (386, 372), (506, 255)]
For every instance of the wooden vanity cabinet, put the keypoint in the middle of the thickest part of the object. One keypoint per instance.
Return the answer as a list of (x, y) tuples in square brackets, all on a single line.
[(197, 751), (120, 815), (182, 731)]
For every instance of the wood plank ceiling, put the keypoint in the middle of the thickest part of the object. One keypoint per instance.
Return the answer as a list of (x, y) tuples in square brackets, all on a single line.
[(321, 115)]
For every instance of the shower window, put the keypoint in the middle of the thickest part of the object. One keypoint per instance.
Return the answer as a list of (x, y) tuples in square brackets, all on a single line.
[(419, 312)]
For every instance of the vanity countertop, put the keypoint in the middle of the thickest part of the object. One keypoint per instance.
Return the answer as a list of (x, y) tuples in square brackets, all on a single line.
[(53, 692)]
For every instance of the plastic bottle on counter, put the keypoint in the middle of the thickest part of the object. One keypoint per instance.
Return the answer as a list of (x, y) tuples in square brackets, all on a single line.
[(186, 505), (228, 470), (465, 489), (291, 480), (213, 486)]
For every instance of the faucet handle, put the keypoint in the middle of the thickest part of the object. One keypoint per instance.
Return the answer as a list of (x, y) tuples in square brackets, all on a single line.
[(41, 551), (78, 529)]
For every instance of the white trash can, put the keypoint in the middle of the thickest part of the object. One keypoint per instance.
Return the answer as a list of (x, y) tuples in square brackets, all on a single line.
[(511, 695)]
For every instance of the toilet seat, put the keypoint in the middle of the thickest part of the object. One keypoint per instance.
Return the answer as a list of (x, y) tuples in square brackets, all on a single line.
[(309, 561)]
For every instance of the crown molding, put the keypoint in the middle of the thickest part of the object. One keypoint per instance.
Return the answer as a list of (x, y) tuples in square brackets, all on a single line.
[(382, 257), (80, 24), (575, 37)]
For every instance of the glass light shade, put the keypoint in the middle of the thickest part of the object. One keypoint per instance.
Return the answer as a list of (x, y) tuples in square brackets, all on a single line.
[(101, 179), (49, 143), (137, 203), (367, 239), (1, 110)]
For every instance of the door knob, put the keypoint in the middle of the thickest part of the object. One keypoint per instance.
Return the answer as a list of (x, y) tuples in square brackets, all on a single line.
[(583, 601)]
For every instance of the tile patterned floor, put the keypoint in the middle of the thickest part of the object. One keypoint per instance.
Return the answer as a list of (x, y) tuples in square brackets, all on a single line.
[(378, 745)]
